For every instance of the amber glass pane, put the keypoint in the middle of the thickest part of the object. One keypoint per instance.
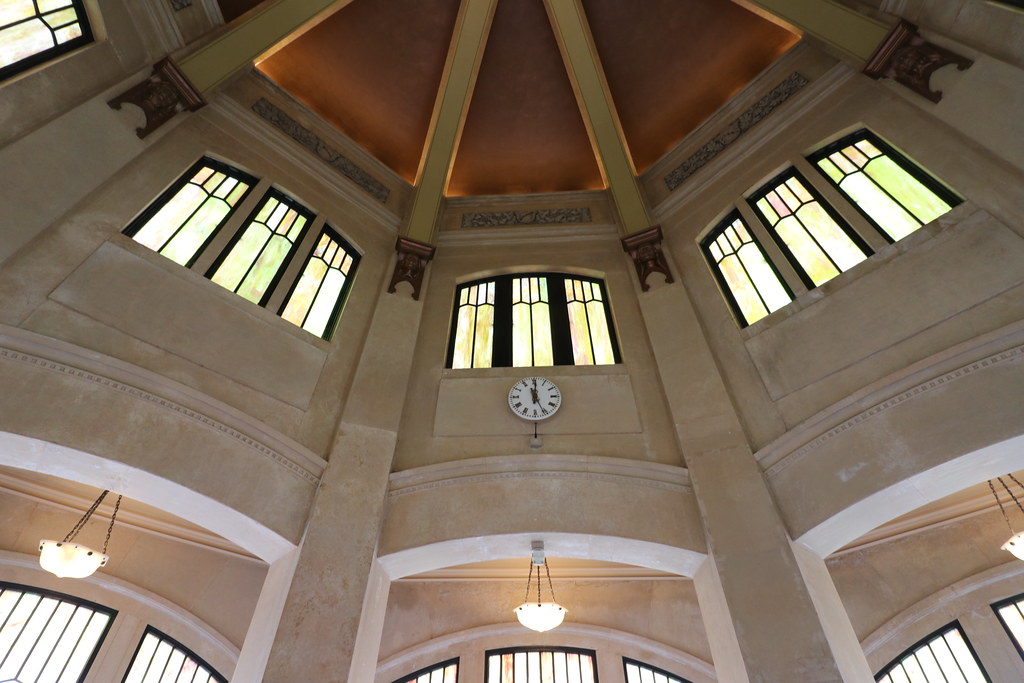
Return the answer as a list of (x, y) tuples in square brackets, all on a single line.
[(180, 228), (474, 326), (816, 241), (28, 28), (262, 248), (531, 323), (753, 283), (588, 324), (315, 299)]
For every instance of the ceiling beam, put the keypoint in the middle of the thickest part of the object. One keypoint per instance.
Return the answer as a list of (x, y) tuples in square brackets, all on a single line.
[(212, 64), (454, 94), (584, 67)]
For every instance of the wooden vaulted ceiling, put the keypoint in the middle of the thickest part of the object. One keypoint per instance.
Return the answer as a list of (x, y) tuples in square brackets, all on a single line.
[(373, 69)]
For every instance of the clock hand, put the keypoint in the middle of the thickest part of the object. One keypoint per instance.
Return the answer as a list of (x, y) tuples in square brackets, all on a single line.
[(536, 398)]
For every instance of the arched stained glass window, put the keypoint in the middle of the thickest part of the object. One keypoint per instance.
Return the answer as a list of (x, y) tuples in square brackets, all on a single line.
[(638, 672), (315, 301), (445, 672), (892, 192), (34, 31), (944, 656), (532, 320), (541, 665), (161, 659), (48, 637)]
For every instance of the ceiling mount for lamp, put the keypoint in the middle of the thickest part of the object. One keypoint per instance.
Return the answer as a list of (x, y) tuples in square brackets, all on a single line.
[(1015, 544), (540, 616), (66, 559)]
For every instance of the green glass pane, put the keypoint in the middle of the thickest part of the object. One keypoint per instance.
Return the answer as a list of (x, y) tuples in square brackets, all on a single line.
[(23, 40), (325, 302), (831, 170), (158, 229), (543, 354), (183, 246), (55, 19), (301, 299), (910, 192), (886, 213), (264, 269), (235, 265), (805, 251), (767, 211), (830, 236)]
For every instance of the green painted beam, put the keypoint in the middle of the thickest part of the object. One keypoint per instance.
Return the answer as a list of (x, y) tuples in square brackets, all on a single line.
[(854, 34), (587, 76), (464, 54)]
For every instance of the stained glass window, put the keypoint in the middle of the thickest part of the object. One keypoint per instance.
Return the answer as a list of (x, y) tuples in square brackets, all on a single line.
[(161, 659), (748, 279), (1011, 615), (818, 242), (530, 320), (445, 672), (528, 665), (48, 637), (33, 31), (891, 191), (315, 301), (638, 672), (261, 250), (943, 657), (180, 223)]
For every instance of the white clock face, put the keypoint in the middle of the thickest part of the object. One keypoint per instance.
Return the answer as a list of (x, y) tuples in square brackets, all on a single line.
[(534, 398)]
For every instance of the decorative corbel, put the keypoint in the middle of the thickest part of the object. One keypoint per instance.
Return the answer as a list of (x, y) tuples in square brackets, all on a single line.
[(910, 60), (644, 248), (165, 93), (412, 262)]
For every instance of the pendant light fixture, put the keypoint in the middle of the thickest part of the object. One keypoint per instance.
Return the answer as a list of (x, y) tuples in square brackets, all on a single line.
[(1015, 544), (540, 616), (67, 559)]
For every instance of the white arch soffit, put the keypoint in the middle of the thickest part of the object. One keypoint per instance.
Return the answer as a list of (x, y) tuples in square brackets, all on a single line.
[(512, 634), (458, 551), (913, 492), (27, 453)]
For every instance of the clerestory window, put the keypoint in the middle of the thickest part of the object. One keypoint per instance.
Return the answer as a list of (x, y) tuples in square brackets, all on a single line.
[(48, 636), (35, 31), (1011, 616), (186, 220), (444, 672), (540, 665), (161, 659), (945, 655), (532, 319), (638, 672)]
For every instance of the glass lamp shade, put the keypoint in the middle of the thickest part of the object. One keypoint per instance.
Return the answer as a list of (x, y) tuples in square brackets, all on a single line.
[(1015, 545), (540, 616), (69, 560)]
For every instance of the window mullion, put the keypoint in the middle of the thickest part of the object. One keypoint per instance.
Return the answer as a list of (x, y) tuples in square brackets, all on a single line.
[(830, 195), (561, 339), (219, 242), (295, 266), (776, 256), (501, 342)]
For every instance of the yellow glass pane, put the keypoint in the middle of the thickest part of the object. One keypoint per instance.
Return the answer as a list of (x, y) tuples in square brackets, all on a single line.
[(12, 10), (925, 204), (305, 291), (231, 271), (258, 280), (764, 277), (805, 251), (464, 326), (843, 251), (24, 40), (888, 214), (742, 289)]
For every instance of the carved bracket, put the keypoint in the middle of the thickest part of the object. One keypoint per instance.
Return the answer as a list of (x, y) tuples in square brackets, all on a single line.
[(910, 60), (644, 248), (412, 262), (165, 93)]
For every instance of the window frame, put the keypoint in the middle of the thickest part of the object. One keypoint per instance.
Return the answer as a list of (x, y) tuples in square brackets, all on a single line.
[(996, 606), (214, 674), (22, 65), (911, 168), (501, 334), (723, 284), (626, 661), (539, 648), (78, 602), (430, 669), (779, 179), (934, 635)]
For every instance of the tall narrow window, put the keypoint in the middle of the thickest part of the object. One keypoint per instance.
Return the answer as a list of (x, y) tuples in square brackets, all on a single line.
[(530, 320), (638, 672), (33, 31), (315, 301), (529, 665), (46, 636), (1011, 616), (888, 189), (818, 242), (161, 659), (941, 657), (261, 250), (180, 223), (747, 278), (445, 672)]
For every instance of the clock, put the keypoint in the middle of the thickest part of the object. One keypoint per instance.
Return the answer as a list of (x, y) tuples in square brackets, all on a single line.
[(534, 398)]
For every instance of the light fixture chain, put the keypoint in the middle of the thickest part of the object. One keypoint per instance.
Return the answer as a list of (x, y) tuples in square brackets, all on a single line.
[(106, 541), (529, 578), (85, 518), (550, 587), (1010, 475), (1015, 500), (1001, 509)]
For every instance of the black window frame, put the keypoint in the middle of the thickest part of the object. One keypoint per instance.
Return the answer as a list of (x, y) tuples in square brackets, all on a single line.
[(155, 205), (33, 60), (913, 169), (1003, 603), (934, 635), (429, 669), (643, 665), (705, 247), (792, 172), (77, 601), (561, 336), (214, 674), (539, 648)]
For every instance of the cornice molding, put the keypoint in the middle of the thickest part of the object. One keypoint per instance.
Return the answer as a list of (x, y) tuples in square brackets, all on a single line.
[(529, 235)]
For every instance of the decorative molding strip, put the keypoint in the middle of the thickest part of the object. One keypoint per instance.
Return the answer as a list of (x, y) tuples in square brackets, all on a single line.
[(68, 370), (311, 141), (762, 108), (587, 476), (495, 219), (934, 383)]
